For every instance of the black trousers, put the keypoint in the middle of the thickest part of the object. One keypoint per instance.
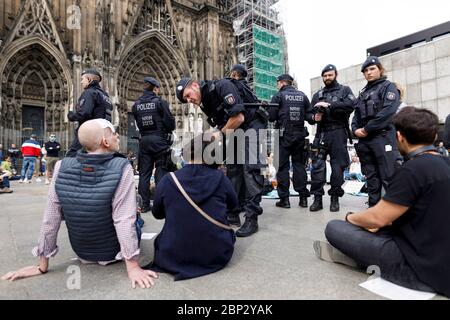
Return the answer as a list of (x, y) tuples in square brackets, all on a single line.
[(377, 250), (148, 159), (378, 155), (245, 173), (248, 182), (292, 147), (75, 146), (336, 148)]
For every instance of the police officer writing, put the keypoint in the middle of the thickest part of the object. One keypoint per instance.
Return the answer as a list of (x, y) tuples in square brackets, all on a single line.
[(332, 108), (223, 105), (94, 103), (155, 123), (294, 109), (378, 102)]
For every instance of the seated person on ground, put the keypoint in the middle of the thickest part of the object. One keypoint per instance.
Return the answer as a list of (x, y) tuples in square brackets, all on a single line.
[(97, 194), (354, 171), (190, 245), (408, 237), (5, 175)]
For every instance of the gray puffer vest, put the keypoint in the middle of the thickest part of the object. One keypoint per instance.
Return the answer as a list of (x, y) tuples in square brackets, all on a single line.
[(85, 187)]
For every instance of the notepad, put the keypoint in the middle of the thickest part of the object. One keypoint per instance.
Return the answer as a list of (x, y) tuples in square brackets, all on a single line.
[(392, 291)]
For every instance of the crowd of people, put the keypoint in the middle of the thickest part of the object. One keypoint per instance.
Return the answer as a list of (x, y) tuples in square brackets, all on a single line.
[(407, 178)]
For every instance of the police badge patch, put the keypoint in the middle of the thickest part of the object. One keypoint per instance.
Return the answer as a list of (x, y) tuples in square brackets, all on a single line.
[(391, 96), (230, 99)]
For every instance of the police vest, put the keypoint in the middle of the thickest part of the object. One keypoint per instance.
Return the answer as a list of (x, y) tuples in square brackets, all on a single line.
[(147, 113), (252, 117), (212, 105), (330, 120), (292, 108), (370, 101), (85, 187), (245, 92), (103, 107)]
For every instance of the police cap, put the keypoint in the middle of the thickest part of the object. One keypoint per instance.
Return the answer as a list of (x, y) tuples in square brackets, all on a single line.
[(329, 67), (241, 69), (285, 77), (182, 84), (92, 71), (372, 60), (152, 81)]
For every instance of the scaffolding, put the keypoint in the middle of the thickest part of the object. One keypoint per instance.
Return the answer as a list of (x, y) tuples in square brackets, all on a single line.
[(260, 43)]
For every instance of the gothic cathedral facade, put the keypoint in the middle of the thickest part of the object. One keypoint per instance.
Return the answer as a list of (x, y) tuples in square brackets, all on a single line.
[(45, 45)]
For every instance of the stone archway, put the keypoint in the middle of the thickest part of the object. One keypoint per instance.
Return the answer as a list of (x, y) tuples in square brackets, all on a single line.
[(150, 54), (33, 76)]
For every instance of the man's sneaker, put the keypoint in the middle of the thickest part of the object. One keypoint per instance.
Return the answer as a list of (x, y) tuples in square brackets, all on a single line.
[(21, 181), (326, 252), (6, 190), (250, 227), (26, 181), (47, 182), (317, 205), (234, 220)]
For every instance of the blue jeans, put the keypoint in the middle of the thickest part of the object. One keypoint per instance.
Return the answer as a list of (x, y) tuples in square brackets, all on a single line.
[(6, 183), (374, 249), (139, 225), (28, 167)]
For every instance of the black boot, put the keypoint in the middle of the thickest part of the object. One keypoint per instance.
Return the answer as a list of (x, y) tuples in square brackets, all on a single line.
[(283, 203), (334, 206), (303, 202), (234, 220), (250, 227), (317, 205)]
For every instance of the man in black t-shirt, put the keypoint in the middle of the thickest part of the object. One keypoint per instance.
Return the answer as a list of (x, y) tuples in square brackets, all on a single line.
[(407, 233), (52, 149)]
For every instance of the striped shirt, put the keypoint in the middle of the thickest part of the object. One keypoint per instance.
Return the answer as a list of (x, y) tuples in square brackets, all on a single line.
[(124, 216), (31, 148)]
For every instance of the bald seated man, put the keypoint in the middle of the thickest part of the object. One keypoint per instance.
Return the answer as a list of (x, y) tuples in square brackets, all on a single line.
[(96, 192)]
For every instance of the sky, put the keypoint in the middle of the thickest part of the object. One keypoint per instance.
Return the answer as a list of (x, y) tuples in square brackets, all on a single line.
[(320, 32)]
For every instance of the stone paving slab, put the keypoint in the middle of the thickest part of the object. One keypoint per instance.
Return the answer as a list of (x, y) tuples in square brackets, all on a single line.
[(278, 263)]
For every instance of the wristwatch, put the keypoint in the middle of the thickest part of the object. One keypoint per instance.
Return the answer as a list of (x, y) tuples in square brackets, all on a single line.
[(346, 216)]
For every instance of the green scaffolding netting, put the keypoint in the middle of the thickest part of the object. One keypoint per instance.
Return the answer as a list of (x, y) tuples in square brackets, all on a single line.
[(268, 62)]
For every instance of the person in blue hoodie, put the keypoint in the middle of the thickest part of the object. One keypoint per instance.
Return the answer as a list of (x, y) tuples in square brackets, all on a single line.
[(189, 245)]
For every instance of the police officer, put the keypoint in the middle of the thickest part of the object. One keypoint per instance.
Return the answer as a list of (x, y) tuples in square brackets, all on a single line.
[(294, 109), (333, 105), (94, 103), (155, 123), (221, 102), (238, 78), (377, 147)]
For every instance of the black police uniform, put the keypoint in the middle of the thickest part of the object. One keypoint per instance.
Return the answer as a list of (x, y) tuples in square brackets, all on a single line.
[(295, 108), (94, 103), (225, 94), (155, 123), (247, 179), (377, 103), (331, 138)]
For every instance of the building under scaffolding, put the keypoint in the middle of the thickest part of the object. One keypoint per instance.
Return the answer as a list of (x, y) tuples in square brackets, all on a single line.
[(260, 43)]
